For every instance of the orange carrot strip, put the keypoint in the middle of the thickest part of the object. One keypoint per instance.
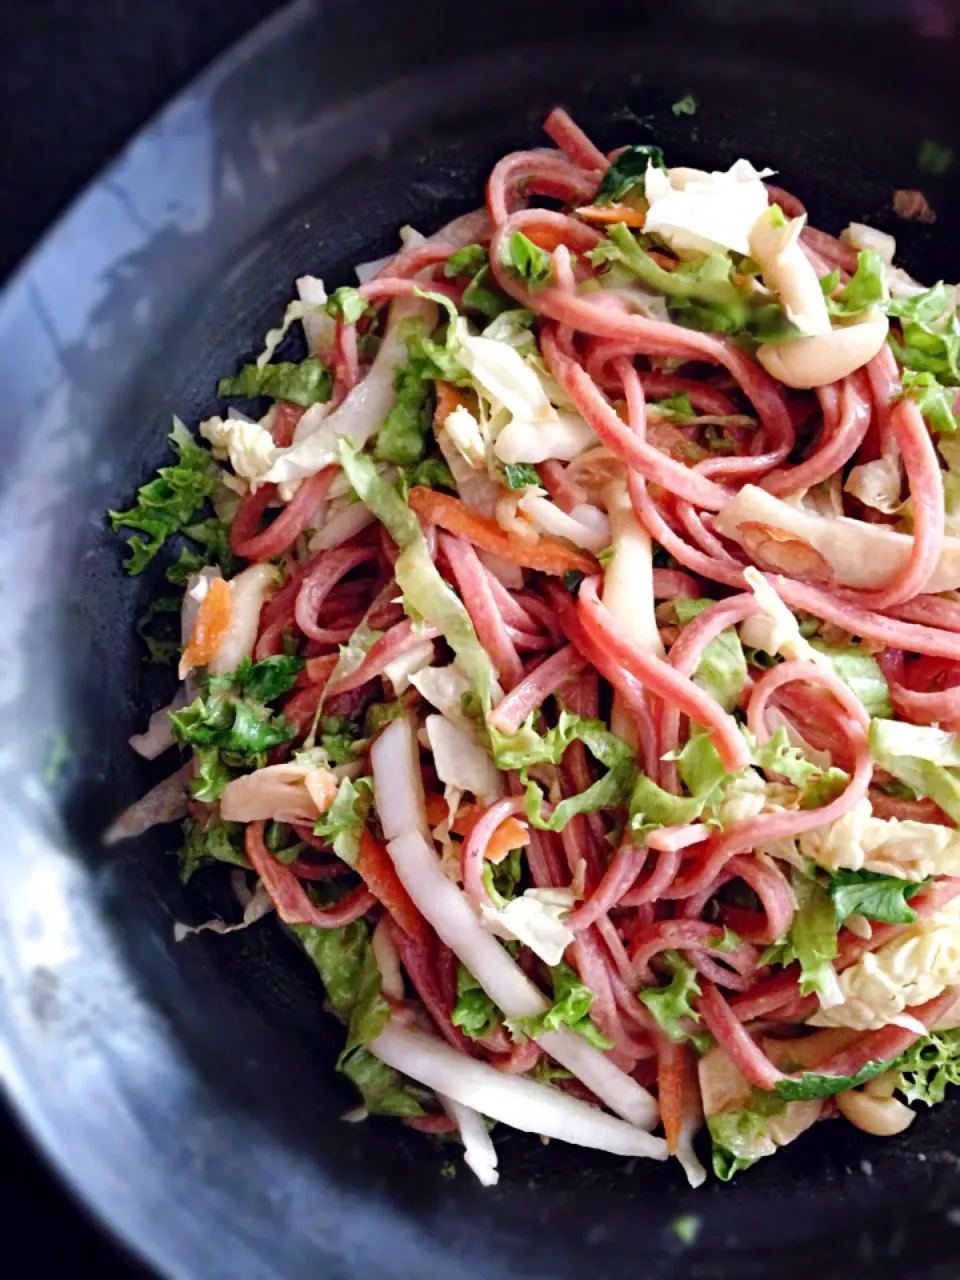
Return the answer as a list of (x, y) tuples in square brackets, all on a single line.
[(604, 213), (319, 670), (210, 627), (671, 1063), (449, 398), (546, 554), (436, 808)]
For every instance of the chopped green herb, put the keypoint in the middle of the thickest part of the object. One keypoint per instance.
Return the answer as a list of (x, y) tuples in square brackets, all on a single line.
[(626, 174), (685, 106), (527, 260), (520, 474), (348, 303), (686, 1227)]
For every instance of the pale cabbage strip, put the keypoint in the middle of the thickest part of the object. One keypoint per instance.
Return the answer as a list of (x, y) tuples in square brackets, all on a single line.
[(479, 1153), (511, 1099)]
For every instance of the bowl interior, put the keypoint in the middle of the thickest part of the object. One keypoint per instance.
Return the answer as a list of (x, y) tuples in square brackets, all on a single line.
[(187, 1090)]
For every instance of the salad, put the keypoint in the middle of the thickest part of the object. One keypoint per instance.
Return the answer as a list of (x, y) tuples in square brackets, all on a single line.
[(568, 636)]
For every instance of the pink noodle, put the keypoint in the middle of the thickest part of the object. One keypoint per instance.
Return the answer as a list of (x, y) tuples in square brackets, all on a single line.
[(823, 603), (930, 611), (572, 141), (288, 896), (625, 865), (727, 1029), (651, 887), (926, 497), (920, 708), (320, 581), (423, 973), (474, 586), (787, 673), (252, 543), (667, 935), (531, 167), (383, 287), (652, 519), (474, 848), (392, 644), (668, 583), (661, 678), (838, 445), (535, 688)]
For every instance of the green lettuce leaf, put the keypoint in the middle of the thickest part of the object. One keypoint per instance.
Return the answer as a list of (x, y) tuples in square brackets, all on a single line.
[(527, 260), (343, 959), (343, 822), (813, 1084), (860, 672), (520, 474), (867, 893), (425, 594), (925, 307), (168, 503), (432, 473), (671, 1003), (934, 400), (866, 288), (161, 648), (925, 758), (930, 350), (348, 303), (740, 1138), (466, 261), (474, 1012), (817, 786), (627, 173), (811, 938), (722, 669), (685, 106), (526, 747), (337, 735), (406, 428), (309, 382), (612, 791), (928, 1066), (214, 842), (676, 409), (229, 724), (570, 1008)]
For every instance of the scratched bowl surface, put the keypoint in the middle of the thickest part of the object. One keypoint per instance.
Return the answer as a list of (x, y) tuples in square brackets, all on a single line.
[(187, 1091)]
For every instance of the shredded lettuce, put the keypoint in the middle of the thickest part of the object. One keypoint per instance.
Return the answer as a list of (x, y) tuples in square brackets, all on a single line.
[(925, 758), (722, 669), (309, 382), (338, 736), (474, 1012), (702, 292), (612, 791), (813, 1084), (929, 350), (739, 1137), (860, 671), (527, 260), (570, 1008), (406, 428), (925, 307), (520, 474), (870, 894), (627, 173), (671, 1003), (685, 106), (343, 822), (348, 303), (230, 725), (865, 289), (215, 841), (466, 261), (928, 1066), (344, 959), (527, 747), (811, 940), (168, 503), (425, 594), (934, 400)]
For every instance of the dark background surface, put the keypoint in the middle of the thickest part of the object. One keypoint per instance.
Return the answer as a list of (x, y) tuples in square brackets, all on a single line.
[(79, 78)]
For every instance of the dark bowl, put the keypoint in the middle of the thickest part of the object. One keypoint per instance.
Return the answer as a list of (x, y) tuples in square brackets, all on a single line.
[(186, 1091)]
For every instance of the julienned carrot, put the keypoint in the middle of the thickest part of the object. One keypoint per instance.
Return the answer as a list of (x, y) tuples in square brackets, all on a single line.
[(545, 554), (375, 867), (605, 213), (671, 1065), (511, 833), (209, 628), (449, 398)]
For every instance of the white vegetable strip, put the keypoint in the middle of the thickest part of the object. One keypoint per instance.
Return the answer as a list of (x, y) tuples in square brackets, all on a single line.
[(398, 781), (342, 525), (460, 762), (166, 802), (512, 1099), (362, 412), (249, 592), (860, 554), (479, 1153), (628, 578), (158, 735), (584, 526), (504, 981)]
